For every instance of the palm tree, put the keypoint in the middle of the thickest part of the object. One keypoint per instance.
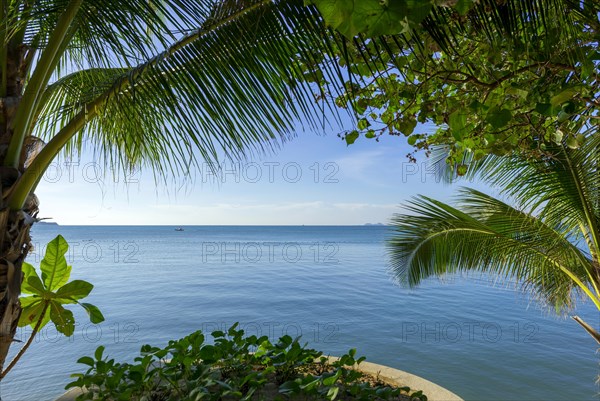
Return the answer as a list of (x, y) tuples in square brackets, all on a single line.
[(157, 84), (547, 238)]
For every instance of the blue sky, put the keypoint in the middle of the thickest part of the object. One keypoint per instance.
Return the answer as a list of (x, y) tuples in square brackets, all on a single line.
[(313, 180)]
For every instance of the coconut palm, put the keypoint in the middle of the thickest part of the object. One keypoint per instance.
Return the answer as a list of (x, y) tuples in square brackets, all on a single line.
[(546, 238), (157, 84)]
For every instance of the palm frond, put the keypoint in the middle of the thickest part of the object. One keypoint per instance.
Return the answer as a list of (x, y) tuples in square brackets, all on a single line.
[(487, 236), (107, 33), (563, 187), (540, 24), (229, 88)]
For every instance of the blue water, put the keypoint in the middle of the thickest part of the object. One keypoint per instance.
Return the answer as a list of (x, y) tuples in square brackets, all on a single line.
[(328, 284)]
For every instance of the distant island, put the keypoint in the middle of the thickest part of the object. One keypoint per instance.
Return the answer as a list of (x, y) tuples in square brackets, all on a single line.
[(375, 224), (47, 223)]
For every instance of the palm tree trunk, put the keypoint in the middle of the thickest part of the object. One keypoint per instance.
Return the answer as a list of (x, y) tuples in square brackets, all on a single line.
[(15, 244)]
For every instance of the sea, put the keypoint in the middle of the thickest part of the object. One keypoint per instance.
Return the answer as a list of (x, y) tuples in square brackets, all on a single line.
[(481, 339)]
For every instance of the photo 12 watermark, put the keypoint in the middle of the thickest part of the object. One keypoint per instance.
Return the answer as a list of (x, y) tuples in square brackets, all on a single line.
[(90, 172), (425, 172), (114, 332), (269, 172), (469, 331), (208, 173), (130, 332), (91, 251), (269, 252)]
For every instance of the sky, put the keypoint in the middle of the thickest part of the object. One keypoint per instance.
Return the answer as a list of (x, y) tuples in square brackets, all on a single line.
[(314, 179)]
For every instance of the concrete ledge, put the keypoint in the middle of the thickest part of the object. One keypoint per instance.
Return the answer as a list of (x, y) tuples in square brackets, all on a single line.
[(70, 395), (389, 375), (400, 378)]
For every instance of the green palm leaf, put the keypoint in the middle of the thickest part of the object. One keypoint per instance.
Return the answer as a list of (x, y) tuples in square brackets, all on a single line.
[(547, 244), (563, 187), (222, 89), (485, 235), (235, 84)]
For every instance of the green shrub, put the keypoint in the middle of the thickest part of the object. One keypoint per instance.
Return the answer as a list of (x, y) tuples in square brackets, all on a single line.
[(233, 367)]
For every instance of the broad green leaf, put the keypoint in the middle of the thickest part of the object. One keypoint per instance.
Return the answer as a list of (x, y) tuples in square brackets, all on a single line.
[(457, 122), (522, 93), (337, 13), (330, 381), (310, 385), (28, 270), (34, 285), (373, 17), (564, 96), (463, 6), (26, 288), (98, 353), (55, 271), (93, 312), (27, 301), (62, 318), (74, 290), (498, 117), (32, 313), (547, 109), (86, 360), (351, 137), (407, 125)]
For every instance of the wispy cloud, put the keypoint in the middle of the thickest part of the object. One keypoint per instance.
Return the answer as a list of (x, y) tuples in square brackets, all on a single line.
[(315, 212)]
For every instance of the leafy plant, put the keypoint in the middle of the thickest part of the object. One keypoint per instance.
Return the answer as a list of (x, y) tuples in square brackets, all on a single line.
[(492, 77), (50, 293), (233, 366)]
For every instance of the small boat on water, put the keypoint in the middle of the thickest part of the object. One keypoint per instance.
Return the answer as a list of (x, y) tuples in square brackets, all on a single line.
[(179, 229)]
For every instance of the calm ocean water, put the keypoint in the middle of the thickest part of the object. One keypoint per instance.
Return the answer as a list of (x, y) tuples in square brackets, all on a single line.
[(328, 284)]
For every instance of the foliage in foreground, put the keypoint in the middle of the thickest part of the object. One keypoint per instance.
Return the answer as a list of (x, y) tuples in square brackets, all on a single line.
[(165, 85), (234, 367), (493, 77), (48, 294), (547, 239)]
